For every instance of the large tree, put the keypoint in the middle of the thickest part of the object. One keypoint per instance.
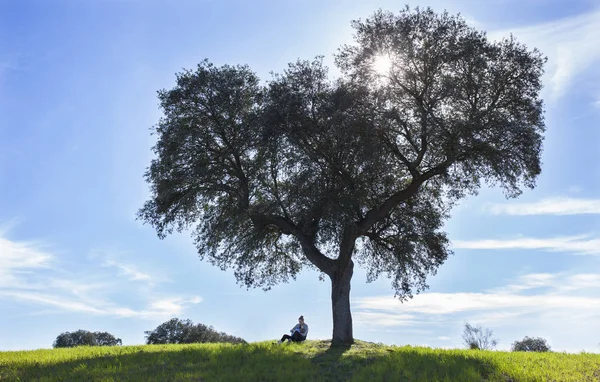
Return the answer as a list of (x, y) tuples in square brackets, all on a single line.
[(311, 171)]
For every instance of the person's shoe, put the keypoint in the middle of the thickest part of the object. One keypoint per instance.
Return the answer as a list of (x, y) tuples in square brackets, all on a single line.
[(279, 342)]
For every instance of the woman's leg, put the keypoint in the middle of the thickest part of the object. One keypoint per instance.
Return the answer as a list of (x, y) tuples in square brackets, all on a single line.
[(286, 337), (297, 337)]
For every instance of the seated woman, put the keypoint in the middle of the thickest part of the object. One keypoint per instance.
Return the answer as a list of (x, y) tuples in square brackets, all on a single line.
[(299, 332)]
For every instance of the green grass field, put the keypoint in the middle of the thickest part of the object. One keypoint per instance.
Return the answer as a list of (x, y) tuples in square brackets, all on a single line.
[(310, 361)]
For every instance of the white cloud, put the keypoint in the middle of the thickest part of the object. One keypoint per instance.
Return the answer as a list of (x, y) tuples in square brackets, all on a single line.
[(22, 255), (570, 44), (557, 282), (161, 308), (530, 281), (46, 299), (581, 281), (550, 206), (384, 319), (582, 244), (565, 308), (27, 277), (195, 300), (449, 303), (128, 270)]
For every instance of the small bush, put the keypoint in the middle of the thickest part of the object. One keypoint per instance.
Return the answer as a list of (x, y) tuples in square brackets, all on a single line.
[(531, 344)]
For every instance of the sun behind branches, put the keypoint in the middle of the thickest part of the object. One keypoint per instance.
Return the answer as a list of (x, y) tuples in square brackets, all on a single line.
[(382, 64)]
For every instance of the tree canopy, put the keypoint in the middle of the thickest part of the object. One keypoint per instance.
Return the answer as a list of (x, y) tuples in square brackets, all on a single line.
[(85, 338), (536, 344), (176, 331), (311, 171)]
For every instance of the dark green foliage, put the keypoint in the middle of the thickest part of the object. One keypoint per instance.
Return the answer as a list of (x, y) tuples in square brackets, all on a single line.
[(85, 338), (478, 338), (308, 171), (176, 331), (531, 344)]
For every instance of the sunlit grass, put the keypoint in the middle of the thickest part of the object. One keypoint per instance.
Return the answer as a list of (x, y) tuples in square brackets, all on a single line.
[(310, 361)]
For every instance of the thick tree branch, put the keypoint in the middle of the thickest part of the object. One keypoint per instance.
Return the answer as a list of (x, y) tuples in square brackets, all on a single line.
[(394, 148), (309, 248), (347, 245), (378, 213), (273, 173), (406, 133)]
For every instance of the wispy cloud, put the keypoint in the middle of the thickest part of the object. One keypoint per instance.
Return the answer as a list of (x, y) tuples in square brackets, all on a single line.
[(128, 270), (31, 275), (582, 244), (161, 308), (22, 255), (18, 257), (549, 206), (581, 281), (528, 282), (570, 44), (117, 259), (53, 300), (552, 282), (450, 303), (559, 298), (384, 319)]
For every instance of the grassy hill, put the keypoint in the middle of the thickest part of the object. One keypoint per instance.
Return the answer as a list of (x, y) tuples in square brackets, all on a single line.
[(310, 361)]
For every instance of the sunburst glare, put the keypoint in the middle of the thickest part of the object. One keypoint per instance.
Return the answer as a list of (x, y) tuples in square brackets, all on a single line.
[(382, 64)]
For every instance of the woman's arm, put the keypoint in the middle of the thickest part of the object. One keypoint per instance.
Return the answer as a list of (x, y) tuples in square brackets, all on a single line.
[(304, 330)]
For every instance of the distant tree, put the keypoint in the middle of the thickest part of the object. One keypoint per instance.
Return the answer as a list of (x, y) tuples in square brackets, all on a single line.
[(531, 344), (478, 338), (176, 331), (106, 339), (85, 338), (64, 340), (310, 171)]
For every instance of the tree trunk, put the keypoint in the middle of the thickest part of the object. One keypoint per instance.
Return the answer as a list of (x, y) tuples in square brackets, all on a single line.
[(340, 299)]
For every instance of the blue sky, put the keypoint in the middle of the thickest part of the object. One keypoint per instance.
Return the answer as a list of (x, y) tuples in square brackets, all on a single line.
[(78, 82)]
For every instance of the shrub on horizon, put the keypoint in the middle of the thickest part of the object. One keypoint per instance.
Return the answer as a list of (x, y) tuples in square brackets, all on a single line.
[(531, 344), (85, 338), (176, 331)]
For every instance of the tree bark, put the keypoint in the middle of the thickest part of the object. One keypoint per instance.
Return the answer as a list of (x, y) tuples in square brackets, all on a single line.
[(340, 299)]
